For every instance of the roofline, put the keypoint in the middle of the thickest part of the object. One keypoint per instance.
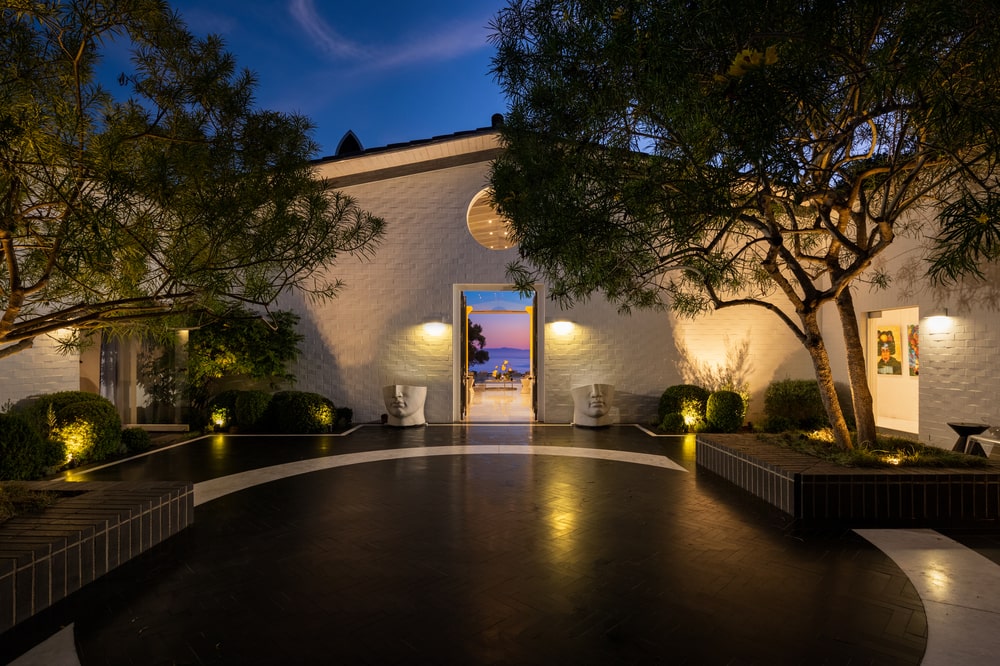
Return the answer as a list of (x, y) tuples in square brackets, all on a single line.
[(406, 145), (403, 159)]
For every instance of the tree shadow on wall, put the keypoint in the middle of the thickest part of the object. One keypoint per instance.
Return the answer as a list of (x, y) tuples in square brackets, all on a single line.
[(732, 374), (964, 295)]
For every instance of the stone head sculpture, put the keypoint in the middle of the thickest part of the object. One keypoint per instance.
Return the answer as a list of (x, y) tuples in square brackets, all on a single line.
[(592, 404), (405, 404)]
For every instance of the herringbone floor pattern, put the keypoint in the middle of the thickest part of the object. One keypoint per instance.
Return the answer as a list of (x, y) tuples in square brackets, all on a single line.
[(487, 559)]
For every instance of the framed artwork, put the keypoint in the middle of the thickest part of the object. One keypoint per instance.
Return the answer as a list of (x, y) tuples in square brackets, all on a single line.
[(913, 348), (887, 351)]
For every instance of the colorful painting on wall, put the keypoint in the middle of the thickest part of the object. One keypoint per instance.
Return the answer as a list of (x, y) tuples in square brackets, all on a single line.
[(887, 351), (913, 343)]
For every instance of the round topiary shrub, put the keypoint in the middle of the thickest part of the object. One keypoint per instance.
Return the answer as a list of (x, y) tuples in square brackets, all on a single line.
[(343, 417), (299, 412), (724, 411), (222, 409), (673, 423), (83, 427), (249, 408), (684, 398), (136, 440), (42, 412), (22, 449), (791, 404), (91, 431)]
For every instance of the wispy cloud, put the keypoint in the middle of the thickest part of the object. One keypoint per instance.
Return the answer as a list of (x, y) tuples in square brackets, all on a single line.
[(452, 41), (322, 35)]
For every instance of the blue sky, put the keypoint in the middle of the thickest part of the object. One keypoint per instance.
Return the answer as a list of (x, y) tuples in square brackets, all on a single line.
[(391, 71)]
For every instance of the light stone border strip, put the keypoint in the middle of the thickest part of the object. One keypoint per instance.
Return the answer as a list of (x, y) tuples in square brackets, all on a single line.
[(206, 491), (960, 591)]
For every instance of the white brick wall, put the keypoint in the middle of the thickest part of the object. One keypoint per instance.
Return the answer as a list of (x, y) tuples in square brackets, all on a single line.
[(371, 336), (41, 369), (958, 359)]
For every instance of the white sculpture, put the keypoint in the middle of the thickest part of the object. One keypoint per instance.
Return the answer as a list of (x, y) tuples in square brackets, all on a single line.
[(405, 404), (592, 405)]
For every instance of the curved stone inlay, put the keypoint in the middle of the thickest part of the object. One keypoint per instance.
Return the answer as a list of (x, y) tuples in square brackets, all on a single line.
[(959, 588), (206, 491)]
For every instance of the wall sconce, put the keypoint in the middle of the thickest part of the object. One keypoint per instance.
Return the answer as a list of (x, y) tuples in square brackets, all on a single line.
[(435, 325), (938, 321), (562, 326)]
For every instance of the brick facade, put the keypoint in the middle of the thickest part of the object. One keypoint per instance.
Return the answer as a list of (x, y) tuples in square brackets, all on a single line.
[(39, 370), (372, 335)]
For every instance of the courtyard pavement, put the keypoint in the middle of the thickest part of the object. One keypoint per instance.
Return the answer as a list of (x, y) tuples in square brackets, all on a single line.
[(494, 544)]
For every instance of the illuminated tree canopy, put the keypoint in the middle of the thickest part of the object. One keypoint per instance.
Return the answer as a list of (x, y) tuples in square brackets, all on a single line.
[(163, 194), (709, 154)]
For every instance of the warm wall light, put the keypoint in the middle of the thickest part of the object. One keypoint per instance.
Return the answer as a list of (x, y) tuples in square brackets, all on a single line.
[(938, 321), (562, 327), (436, 325)]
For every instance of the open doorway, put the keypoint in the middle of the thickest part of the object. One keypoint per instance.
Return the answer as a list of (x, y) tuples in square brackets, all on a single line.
[(499, 356), (894, 368)]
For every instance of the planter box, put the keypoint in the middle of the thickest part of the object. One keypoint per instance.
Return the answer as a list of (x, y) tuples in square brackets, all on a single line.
[(46, 556), (819, 493)]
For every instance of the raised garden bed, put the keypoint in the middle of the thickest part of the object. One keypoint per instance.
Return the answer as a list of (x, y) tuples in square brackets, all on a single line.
[(98, 526), (818, 493)]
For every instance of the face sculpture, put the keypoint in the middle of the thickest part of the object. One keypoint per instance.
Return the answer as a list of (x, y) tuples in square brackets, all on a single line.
[(592, 404), (405, 404)]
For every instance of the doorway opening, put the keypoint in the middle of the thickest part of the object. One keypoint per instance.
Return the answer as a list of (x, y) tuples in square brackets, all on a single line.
[(499, 356), (894, 368)]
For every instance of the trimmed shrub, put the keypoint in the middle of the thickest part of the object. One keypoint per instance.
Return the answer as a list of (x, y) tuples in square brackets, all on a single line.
[(794, 404), (222, 409), (673, 423), (249, 408), (343, 417), (299, 412), (776, 424), (136, 440), (91, 431), (683, 398), (84, 427), (724, 411), (22, 449), (43, 419), (55, 454)]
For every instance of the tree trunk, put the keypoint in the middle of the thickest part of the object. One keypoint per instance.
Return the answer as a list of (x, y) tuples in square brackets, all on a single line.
[(824, 375), (861, 395)]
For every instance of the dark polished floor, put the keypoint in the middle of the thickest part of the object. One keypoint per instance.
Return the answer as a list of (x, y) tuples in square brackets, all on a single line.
[(484, 559)]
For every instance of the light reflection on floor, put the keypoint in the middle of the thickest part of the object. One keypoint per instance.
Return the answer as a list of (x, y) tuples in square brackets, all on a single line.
[(498, 405)]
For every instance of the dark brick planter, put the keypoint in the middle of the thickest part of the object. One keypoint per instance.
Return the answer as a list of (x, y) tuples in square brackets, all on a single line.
[(819, 493), (45, 557)]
